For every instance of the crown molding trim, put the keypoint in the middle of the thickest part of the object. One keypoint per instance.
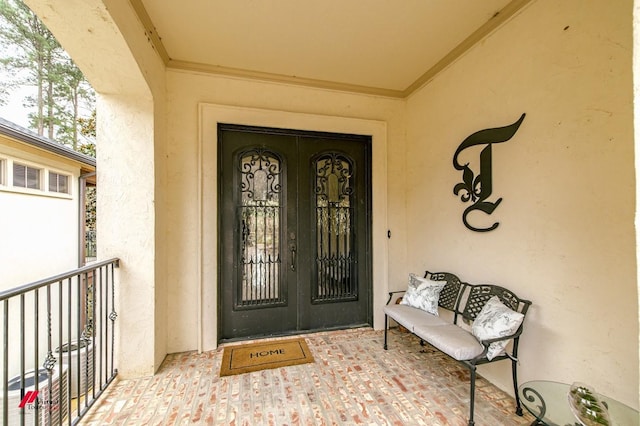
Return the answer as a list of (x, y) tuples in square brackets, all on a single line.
[(497, 20), (150, 30), (280, 78)]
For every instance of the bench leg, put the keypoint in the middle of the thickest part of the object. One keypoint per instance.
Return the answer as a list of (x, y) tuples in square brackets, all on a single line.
[(472, 393), (386, 320), (514, 367)]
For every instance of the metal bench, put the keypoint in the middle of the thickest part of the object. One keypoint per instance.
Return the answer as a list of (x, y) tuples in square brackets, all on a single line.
[(465, 301)]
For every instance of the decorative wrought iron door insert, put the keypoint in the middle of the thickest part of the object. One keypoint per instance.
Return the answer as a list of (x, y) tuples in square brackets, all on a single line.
[(295, 231), (334, 232), (260, 211)]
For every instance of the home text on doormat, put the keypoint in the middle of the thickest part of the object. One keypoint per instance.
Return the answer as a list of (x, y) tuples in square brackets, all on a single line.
[(246, 358)]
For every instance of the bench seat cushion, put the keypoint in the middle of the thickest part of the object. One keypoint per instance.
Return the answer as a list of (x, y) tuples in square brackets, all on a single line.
[(410, 317), (450, 339)]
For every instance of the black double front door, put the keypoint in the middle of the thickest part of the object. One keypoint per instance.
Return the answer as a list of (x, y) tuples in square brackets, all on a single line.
[(295, 231)]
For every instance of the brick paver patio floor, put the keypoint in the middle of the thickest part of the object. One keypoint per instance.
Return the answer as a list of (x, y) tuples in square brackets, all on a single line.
[(353, 381)]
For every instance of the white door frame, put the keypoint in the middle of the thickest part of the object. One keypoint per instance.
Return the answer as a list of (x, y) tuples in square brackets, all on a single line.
[(209, 117)]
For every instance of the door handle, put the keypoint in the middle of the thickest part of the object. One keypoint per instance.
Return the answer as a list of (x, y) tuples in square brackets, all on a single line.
[(292, 248)]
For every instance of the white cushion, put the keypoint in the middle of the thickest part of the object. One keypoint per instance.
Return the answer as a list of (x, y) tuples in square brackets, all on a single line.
[(496, 320), (423, 294), (410, 317), (450, 339)]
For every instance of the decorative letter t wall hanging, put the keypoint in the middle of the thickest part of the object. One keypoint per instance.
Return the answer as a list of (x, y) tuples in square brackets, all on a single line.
[(478, 188)]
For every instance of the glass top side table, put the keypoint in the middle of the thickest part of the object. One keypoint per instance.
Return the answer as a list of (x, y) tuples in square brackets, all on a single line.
[(549, 404)]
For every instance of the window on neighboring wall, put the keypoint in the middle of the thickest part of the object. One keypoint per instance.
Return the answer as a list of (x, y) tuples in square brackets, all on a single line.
[(25, 176), (58, 183), (3, 165)]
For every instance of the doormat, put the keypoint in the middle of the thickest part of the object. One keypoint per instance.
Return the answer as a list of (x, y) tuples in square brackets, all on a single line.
[(245, 358)]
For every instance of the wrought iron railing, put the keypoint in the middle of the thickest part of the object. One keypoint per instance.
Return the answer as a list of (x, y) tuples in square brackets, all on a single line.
[(58, 336)]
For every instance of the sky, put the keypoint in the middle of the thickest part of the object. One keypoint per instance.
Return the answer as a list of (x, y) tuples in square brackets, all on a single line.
[(14, 111)]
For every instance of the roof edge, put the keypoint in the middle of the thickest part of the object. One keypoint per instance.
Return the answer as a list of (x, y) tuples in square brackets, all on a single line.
[(7, 128)]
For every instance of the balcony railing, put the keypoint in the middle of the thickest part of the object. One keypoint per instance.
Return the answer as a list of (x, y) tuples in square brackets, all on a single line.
[(58, 336)]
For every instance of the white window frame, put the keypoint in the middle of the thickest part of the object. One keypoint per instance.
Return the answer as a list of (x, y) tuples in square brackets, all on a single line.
[(27, 167), (3, 171), (7, 183), (58, 174)]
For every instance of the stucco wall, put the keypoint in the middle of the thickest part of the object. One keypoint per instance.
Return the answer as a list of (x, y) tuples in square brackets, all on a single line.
[(108, 43), (566, 238), (636, 119), (186, 91)]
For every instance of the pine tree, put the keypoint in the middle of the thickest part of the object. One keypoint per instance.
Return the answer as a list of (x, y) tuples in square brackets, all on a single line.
[(34, 58)]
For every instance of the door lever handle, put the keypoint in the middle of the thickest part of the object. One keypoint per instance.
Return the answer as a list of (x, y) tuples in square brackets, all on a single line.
[(292, 248)]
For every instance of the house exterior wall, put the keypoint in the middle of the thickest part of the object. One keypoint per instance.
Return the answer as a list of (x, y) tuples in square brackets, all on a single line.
[(566, 238), (190, 236), (39, 224), (40, 232), (636, 116)]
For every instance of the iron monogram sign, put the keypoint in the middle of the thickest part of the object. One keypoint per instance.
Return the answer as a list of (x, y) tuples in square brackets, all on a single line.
[(476, 189)]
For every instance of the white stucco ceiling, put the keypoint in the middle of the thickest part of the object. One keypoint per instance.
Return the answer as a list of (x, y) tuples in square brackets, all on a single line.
[(384, 45)]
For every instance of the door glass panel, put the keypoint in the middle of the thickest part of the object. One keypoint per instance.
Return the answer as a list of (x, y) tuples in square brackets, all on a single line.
[(334, 224), (260, 208)]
